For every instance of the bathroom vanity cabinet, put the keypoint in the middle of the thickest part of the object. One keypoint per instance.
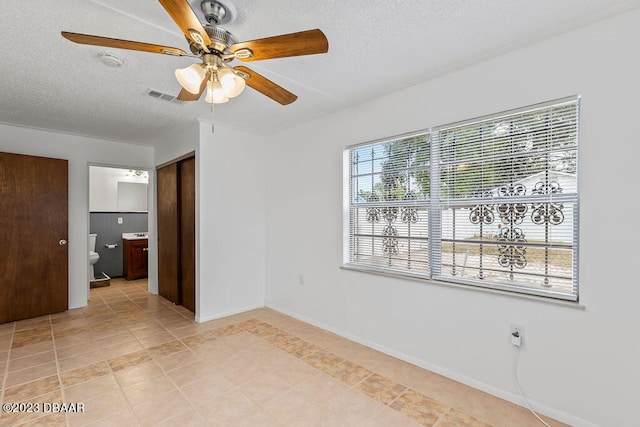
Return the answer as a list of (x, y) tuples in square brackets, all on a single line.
[(135, 258)]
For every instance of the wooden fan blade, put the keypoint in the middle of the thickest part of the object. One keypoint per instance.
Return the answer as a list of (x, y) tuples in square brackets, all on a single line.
[(121, 44), (295, 44), (183, 15), (267, 87), (185, 95)]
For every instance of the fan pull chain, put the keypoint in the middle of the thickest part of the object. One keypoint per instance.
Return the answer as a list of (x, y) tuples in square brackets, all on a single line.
[(212, 122)]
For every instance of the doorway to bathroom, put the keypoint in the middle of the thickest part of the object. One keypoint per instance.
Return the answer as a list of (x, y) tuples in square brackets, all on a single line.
[(118, 223)]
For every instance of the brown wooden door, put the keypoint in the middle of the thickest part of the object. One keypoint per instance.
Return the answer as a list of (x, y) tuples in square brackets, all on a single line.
[(188, 233), (168, 229), (34, 228), (177, 232)]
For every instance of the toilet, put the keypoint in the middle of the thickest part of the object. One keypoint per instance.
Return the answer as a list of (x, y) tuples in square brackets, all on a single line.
[(93, 255)]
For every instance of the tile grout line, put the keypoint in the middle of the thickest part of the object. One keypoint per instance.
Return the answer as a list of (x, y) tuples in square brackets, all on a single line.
[(146, 349), (116, 379), (109, 365), (319, 371), (354, 387), (111, 373), (6, 367), (165, 372), (58, 370), (238, 386)]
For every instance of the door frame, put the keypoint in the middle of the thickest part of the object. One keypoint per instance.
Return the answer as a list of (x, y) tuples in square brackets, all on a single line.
[(151, 212)]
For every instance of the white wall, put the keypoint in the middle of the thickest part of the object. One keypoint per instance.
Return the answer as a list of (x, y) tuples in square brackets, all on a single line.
[(231, 188), (578, 365), (79, 151), (177, 144)]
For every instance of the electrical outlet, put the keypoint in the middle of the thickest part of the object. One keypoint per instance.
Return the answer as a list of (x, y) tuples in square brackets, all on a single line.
[(517, 334), (119, 220)]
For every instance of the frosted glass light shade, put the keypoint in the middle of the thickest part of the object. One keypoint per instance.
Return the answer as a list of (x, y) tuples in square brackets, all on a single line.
[(232, 84), (215, 93), (191, 77)]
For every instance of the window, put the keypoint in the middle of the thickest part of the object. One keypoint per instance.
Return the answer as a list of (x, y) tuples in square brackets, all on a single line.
[(389, 205), (490, 202)]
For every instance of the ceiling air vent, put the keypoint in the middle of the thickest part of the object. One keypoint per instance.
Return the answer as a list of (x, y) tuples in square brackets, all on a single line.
[(164, 96)]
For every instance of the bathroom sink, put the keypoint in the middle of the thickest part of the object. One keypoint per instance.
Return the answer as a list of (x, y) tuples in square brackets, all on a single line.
[(135, 236)]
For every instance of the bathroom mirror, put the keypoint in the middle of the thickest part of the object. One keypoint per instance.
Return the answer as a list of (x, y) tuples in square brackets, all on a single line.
[(117, 190), (132, 197)]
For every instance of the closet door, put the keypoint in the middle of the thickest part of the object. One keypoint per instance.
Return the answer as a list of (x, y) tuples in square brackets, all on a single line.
[(168, 233), (187, 196)]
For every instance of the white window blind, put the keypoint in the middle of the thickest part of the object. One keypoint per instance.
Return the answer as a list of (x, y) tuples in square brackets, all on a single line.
[(508, 201), (490, 202), (389, 204)]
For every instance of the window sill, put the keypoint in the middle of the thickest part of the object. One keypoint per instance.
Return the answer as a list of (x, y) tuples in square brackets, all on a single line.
[(407, 276)]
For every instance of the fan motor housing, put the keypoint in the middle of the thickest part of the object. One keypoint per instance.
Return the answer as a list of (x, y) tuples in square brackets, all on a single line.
[(221, 39)]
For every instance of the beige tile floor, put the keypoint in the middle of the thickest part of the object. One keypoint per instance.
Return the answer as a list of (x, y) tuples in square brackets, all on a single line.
[(131, 358)]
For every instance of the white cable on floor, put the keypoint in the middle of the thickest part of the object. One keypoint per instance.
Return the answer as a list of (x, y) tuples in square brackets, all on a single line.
[(515, 378)]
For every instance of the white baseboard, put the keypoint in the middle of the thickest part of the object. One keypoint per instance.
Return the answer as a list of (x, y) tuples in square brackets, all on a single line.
[(201, 319)]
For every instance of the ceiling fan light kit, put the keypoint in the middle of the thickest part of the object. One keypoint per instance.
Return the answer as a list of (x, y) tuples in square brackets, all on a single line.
[(215, 93), (191, 77), (231, 82), (222, 81), (216, 47)]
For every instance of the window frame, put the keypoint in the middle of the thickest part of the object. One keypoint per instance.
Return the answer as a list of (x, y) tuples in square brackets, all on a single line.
[(435, 204)]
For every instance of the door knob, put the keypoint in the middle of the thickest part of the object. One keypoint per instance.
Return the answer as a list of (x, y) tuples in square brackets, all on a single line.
[(62, 242)]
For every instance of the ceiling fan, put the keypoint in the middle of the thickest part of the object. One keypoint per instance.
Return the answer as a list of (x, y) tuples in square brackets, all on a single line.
[(216, 47)]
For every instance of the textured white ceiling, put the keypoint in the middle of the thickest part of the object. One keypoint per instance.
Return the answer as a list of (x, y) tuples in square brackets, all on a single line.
[(375, 47)]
